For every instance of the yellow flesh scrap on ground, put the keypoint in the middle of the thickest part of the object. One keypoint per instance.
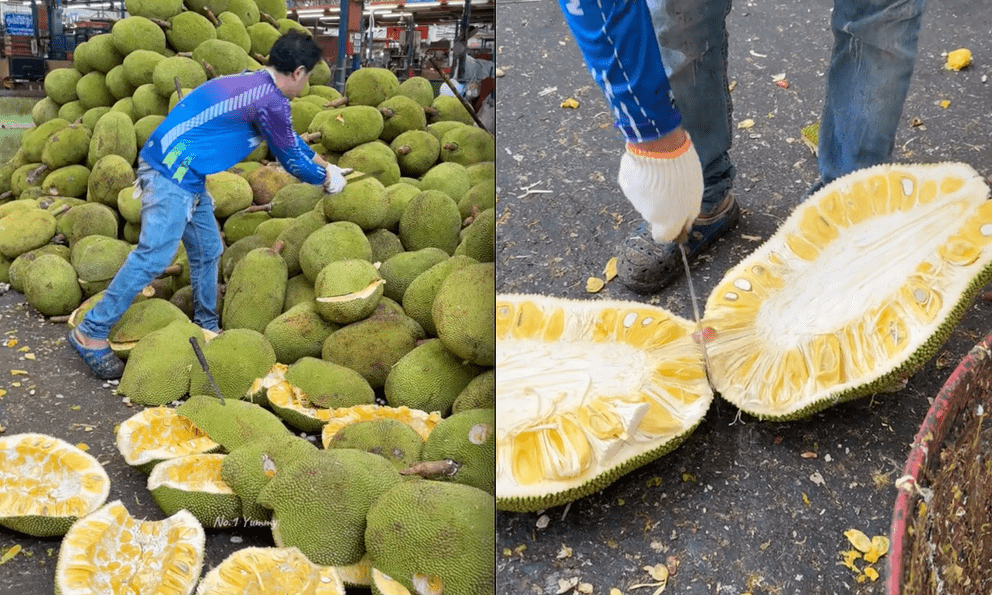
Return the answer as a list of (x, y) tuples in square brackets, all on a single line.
[(585, 387), (872, 266), (264, 571), (109, 551), (47, 477), (158, 433)]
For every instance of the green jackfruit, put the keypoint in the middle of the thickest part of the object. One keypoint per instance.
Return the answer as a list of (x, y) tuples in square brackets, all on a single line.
[(192, 483), (302, 113), (483, 171), (19, 179), (141, 318), (298, 332), (329, 385), (479, 238), (158, 367), (70, 181), (96, 260), (80, 57), (113, 135), (16, 273), (295, 199), (463, 313), (154, 9), (189, 73), (431, 219), (416, 152), (362, 202), (25, 230), (93, 91), (60, 85), (482, 196), (372, 346), (233, 29), (299, 289), (88, 219), (45, 110), (270, 230), (67, 146), (101, 52), (144, 128), (236, 357), (123, 106), (91, 117), (230, 193), (373, 157), (50, 285), (33, 141), (480, 393), (147, 102), (188, 30), (246, 10), (401, 114), (400, 270), (245, 471), (110, 174), (370, 86), (390, 439), (418, 299), (334, 241), (385, 244), (469, 439), (419, 89), (439, 129), (256, 291), (236, 251), (233, 423), (129, 206), (224, 57), (295, 234), (321, 75), (446, 107), (355, 478), (350, 126), (72, 111), (262, 35), (456, 523), (448, 177), (429, 378), (267, 180), (467, 145), (242, 224), (202, 6), (347, 290), (274, 8), (137, 33)]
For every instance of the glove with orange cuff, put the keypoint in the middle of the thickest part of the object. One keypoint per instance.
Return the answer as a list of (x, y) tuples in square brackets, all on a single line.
[(665, 188)]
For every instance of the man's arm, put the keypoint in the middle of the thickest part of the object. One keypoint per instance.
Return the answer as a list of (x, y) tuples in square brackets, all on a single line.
[(276, 124)]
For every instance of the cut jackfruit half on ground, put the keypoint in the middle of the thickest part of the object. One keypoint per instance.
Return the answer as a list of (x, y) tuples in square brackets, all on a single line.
[(193, 482), (46, 484), (291, 404), (109, 551), (269, 570), (854, 292), (421, 421), (156, 434), (587, 391)]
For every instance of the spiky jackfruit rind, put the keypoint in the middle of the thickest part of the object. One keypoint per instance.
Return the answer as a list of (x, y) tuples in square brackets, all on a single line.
[(192, 482), (231, 423), (944, 204), (558, 345), (35, 511)]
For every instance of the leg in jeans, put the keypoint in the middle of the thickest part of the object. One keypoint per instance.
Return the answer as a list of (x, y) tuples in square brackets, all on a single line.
[(164, 208), (692, 35), (870, 67), (203, 249)]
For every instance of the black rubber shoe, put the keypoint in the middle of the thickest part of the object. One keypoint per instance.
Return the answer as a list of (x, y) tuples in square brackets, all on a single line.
[(104, 363), (646, 266)]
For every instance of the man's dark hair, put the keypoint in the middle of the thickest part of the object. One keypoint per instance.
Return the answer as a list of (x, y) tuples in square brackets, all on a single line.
[(292, 50)]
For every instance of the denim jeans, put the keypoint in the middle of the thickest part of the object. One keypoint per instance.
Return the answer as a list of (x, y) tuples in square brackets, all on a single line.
[(169, 215), (870, 67)]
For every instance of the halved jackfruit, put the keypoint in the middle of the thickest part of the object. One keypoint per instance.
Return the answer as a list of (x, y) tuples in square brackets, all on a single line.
[(260, 571), (854, 292), (109, 551), (46, 484), (339, 417), (156, 434), (586, 392)]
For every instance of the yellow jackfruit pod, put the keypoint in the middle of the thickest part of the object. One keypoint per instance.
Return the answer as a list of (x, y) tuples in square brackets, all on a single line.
[(587, 391)]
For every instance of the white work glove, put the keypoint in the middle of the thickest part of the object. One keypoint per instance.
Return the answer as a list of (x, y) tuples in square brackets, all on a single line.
[(334, 182), (665, 188)]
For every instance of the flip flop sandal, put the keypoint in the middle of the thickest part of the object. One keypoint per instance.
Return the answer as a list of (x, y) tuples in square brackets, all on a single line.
[(103, 362)]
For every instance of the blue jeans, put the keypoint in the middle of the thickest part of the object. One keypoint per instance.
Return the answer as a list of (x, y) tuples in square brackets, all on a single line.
[(169, 215), (870, 67)]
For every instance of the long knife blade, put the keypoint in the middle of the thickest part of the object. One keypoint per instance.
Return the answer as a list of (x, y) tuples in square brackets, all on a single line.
[(700, 333)]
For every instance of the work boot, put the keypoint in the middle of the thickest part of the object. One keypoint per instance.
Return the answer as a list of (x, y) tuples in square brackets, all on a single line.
[(646, 266)]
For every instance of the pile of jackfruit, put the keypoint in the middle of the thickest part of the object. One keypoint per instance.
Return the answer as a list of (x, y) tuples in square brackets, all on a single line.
[(373, 306)]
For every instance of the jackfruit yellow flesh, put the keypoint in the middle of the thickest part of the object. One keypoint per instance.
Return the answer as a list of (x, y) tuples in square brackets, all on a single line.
[(587, 391), (858, 287)]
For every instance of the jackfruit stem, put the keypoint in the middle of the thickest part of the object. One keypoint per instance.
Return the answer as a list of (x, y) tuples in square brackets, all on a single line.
[(268, 19), (61, 210), (404, 150), (432, 469), (256, 208), (179, 87), (337, 102), (6, 195), (36, 173), (278, 246), (452, 146), (210, 70), (258, 57), (172, 270), (64, 318), (309, 137), (163, 24), (210, 15), (386, 112)]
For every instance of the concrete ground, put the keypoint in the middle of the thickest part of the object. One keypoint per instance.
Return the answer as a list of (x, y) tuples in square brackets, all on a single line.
[(741, 506)]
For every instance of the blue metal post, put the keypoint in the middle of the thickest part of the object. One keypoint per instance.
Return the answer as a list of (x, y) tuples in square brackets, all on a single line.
[(342, 45)]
